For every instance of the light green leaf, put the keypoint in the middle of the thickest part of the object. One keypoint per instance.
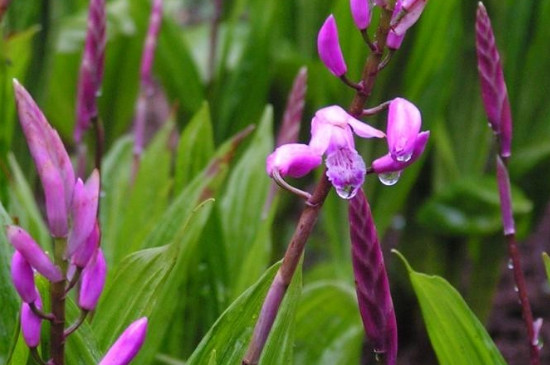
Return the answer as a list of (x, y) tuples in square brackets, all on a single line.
[(457, 336), (195, 148), (546, 260), (20, 353), (229, 336)]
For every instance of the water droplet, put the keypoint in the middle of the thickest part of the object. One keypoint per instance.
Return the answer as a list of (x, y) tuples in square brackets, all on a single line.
[(345, 192), (403, 158), (389, 178), (516, 289), (510, 264)]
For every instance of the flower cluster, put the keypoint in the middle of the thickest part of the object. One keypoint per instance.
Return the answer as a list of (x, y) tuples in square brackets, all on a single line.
[(332, 130)]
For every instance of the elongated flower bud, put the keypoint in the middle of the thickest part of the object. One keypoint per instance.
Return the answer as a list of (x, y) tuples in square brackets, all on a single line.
[(127, 345), (31, 323), (290, 127), (293, 159), (33, 254), (493, 86), (373, 291), (329, 49), (146, 78), (404, 123), (93, 280), (91, 68), (394, 41), (23, 278), (84, 252), (85, 203), (407, 15), (50, 158), (360, 11)]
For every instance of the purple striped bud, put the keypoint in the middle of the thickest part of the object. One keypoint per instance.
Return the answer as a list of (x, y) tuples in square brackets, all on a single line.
[(23, 278), (404, 123), (493, 86), (91, 68), (85, 203), (127, 345), (84, 253), (31, 323), (407, 15), (360, 11), (293, 159), (386, 164), (329, 49), (50, 158), (92, 282), (371, 280), (146, 79), (33, 254)]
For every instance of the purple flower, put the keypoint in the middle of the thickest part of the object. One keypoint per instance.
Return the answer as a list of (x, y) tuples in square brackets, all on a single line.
[(407, 14), (360, 11), (23, 278), (127, 345), (329, 49), (31, 323), (387, 164), (404, 123), (332, 131), (33, 254), (394, 41), (493, 86), (50, 158), (84, 252), (93, 280), (91, 68), (84, 206)]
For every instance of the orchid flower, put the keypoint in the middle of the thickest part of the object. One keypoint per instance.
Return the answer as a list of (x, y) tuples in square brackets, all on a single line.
[(332, 130)]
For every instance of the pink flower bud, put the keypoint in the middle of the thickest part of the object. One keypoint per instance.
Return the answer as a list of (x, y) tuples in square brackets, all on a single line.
[(409, 13), (51, 159), (85, 203), (404, 123), (91, 68), (23, 278), (33, 254), (127, 345), (294, 159), (31, 323), (360, 11), (328, 47), (394, 41), (386, 164), (84, 253), (92, 282)]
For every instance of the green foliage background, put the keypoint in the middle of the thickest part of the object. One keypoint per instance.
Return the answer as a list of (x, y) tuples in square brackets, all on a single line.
[(192, 235)]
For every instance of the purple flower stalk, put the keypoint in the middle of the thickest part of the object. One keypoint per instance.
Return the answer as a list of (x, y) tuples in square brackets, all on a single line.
[(33, 254), (93, 280), (31, 323), (50, 158), (408, 13), (127, 345), (329, 49), (23, 278), (371, 278), (91, 69), (85, 203), (331, 134), (290, 127), (493, 86), (361, 13), (146, 79)]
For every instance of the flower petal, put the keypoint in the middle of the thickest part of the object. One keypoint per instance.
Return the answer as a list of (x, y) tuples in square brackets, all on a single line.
[(293, 159), (364, 130), (387, 164), (404, 123), (346, 171)]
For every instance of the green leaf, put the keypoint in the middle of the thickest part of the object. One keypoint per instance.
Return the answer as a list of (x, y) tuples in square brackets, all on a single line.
[(470, 206), (328, 327), (245, 195), (20, 353), (457, 336), (148, 196), (8, 296), (82, 346), (546, 260), (195, 148), (229, 336)]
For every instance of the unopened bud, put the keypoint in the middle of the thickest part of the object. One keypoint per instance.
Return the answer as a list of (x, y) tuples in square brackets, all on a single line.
[(127, 345), (329, 49), (31, 323), (23, 278), (93, 280)]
